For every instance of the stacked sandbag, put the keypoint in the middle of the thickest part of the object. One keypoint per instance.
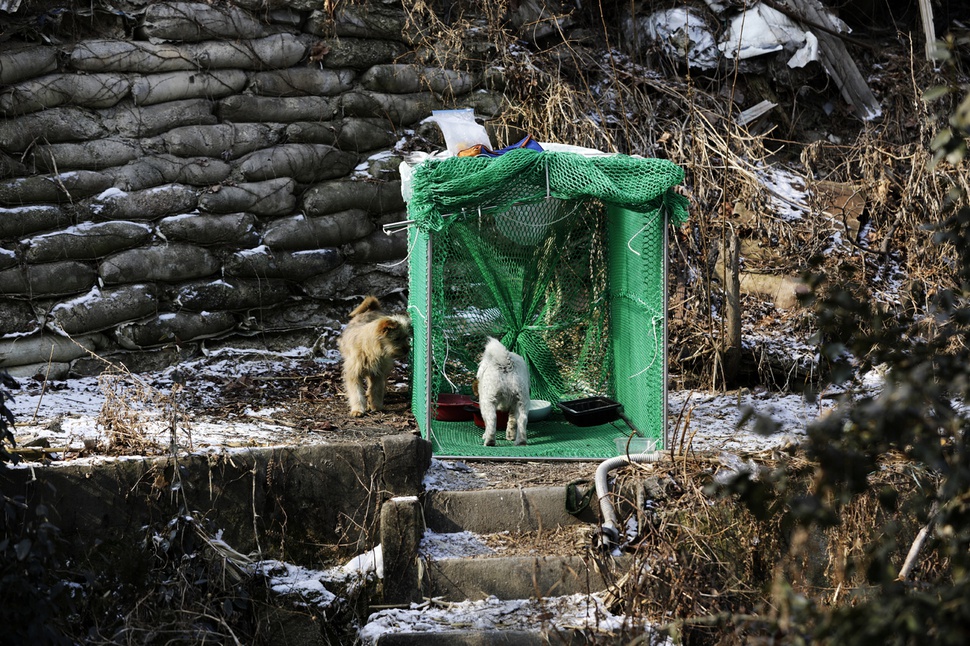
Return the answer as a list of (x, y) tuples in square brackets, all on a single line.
[(199, 175)]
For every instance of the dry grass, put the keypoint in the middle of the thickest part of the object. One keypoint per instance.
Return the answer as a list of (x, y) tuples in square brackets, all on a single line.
[(712, 570), (139, 419), (572, 90)]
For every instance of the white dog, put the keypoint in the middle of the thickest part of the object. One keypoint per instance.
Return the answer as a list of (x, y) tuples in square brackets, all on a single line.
[(503, 384)]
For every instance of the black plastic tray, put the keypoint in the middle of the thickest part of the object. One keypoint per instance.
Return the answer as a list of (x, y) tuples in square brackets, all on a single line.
[(590, 411)]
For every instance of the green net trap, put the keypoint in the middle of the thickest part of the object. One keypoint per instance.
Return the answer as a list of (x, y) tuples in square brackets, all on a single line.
[(561, 256)]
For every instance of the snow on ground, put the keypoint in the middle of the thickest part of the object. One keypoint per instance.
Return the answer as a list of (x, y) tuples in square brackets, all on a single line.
[(711, 422), (66, 413), (435, 545), (553, 614)]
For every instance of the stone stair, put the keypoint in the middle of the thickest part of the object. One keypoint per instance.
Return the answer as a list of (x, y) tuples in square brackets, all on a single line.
[(496, 582), (516, 512)]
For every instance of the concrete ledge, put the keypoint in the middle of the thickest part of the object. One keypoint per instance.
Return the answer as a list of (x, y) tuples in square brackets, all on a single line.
[(500, 638), (497, 510), (303, 500), (514, 577)]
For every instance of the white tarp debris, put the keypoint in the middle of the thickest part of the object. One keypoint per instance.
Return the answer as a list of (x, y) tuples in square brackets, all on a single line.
[(367, 563), (682, 33), (304, 586), (762, 30)]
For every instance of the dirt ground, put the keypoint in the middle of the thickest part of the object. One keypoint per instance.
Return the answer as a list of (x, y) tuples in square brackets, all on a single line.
[(308, 396)]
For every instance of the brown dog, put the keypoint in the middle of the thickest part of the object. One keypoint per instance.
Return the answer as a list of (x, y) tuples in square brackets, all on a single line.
[(369, 344)]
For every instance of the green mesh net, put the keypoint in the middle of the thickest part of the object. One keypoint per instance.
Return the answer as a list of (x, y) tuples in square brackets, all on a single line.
[(561, 257)]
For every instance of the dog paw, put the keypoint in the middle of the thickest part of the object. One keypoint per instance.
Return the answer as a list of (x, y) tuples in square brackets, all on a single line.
[(520, 442), (489, 441), (356, 413)]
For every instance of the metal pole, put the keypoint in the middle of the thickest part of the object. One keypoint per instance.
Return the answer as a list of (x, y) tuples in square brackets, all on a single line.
[(429, 413), (666, 268)]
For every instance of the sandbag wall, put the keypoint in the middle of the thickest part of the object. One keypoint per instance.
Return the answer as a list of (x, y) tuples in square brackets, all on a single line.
[(188, 175)]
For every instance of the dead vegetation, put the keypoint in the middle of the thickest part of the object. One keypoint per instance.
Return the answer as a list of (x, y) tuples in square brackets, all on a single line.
[(723, 570), (806, 187), (730, 569)]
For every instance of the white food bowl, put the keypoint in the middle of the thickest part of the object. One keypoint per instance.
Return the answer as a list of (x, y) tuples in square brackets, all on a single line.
[(539, 409)]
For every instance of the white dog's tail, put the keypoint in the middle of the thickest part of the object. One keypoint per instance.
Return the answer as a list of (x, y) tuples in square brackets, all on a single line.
[(498, 354)]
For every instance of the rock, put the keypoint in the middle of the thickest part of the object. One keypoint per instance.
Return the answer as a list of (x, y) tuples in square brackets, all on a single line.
[(102, 309), (24, 220), (402, 526), (223, 140), (302, 81), (272, 197), (231, 294), (58, 189), (305, 163), (341, 195), (48, 279), (198, 21), (147, 204), (168, 263), (346, 134), (295, 266), (300, 232), (174, 328), (234, 229), (87, 240)]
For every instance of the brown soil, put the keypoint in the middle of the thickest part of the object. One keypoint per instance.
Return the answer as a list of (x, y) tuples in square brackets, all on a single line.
[(310, 397), (573, 540)]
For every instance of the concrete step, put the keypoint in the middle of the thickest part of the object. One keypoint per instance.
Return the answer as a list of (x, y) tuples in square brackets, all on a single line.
[(489, 511), (517, 512), (510, 577), (567, 637), (546, 587), (575, 619)]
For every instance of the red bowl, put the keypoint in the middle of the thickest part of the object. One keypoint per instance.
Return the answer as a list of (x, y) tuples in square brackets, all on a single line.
[(501, 418), (452, 407)]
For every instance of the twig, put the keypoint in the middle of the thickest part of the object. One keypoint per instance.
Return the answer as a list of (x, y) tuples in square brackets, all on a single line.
[(917, 545), (27, 450), (321, 375), (43, 388)]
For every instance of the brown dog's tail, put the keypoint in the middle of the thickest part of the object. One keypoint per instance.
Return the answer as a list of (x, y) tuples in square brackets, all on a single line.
[(370, 303)]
